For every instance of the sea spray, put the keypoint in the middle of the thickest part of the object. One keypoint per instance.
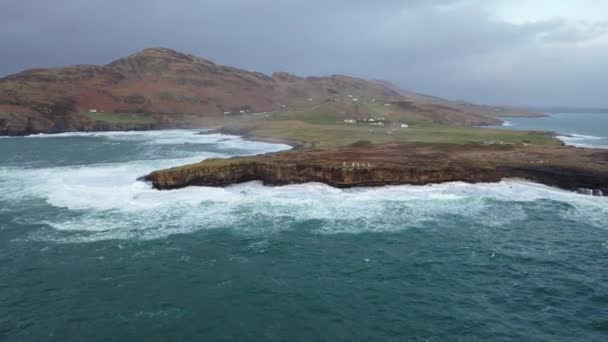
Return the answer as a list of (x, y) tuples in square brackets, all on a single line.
[(105, 201)]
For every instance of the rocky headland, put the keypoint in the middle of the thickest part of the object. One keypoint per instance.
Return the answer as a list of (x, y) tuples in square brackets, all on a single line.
[(581, 170)]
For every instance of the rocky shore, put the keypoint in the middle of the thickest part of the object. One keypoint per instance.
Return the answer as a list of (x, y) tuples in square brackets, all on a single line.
[(581, 170)]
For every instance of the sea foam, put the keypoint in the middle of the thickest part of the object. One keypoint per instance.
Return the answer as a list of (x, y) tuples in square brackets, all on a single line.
[(170, 137), (586, 141), (108, 204), (105, 201)]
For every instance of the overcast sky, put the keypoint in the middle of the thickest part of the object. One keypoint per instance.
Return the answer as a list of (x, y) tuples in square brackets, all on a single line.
[(519, 52)]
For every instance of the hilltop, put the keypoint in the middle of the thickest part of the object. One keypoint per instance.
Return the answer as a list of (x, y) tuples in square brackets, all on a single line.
[(162, 88)]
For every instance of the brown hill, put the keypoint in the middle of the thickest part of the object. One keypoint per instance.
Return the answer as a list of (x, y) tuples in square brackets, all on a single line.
[(461, 106), (161, 88)]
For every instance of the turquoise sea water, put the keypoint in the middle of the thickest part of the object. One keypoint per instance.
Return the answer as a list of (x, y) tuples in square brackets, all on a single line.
[(576, 129), (88, 253)]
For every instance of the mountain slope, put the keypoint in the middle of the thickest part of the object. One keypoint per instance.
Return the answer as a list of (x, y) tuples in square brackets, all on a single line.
[(160, 88), (461, 106)]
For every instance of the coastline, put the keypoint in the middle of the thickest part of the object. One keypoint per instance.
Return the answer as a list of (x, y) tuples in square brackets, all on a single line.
[(572, 129), (581, 170), (246, 134)]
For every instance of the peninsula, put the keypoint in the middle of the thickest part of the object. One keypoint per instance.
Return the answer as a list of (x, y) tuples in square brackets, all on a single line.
[(347, 131), (366, 164)]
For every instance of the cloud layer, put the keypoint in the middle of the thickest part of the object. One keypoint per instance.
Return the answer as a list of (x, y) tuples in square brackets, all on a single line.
[(461, 49)]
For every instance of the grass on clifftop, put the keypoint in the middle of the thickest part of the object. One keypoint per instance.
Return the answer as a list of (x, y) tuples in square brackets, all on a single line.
[(121, 118), (322, 125), (342, 134)]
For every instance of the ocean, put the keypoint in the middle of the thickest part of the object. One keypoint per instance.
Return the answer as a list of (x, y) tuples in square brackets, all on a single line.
[(88, 253), (575, 129)]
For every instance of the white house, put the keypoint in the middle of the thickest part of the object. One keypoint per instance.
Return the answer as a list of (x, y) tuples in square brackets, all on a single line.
[(404, 125), (227, 113), (92, 110), (350, 121), (355, 100)]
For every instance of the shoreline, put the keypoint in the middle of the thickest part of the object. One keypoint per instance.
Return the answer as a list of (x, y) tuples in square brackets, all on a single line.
[(246, 134), (580, 169), (569, 168), (582, 137)]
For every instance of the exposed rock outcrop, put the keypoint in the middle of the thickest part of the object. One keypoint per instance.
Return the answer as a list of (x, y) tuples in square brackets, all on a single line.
[(564, 167)]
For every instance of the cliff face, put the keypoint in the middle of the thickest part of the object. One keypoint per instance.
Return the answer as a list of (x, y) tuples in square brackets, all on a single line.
[(278, 173), (398, 164)]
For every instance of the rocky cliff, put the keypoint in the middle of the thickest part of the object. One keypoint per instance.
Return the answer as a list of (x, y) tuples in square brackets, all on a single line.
[(568, 168)]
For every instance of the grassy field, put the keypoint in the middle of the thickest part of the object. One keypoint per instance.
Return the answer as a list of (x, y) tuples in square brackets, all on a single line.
[(337, 111), (322, 127), (322, 124), (121, 118), (333, 135)]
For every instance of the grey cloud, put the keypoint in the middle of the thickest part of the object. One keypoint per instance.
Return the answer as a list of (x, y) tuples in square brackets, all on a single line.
[(564, 32), (451, 48)]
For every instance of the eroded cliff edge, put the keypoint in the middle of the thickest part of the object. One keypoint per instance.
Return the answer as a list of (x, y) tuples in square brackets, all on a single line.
[(583, 170)]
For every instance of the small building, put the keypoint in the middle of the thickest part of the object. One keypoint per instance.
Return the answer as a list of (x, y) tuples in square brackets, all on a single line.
[(350, 121), (349, 95), (355, 100), (92, 110), (404, 125), (309, 99), (387, 104), (227, 113)]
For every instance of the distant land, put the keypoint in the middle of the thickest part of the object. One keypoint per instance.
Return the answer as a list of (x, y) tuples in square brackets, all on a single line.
[(566, 109), (162, 88), (346, 131)]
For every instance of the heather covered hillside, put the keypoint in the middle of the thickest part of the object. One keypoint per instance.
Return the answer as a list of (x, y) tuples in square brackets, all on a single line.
[(162, 88)]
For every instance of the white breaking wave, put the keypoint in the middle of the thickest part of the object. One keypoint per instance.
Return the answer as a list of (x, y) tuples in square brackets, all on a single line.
[(586, 137), (146, 135), (586, 141), (105, 201), (507, 124), (172, 137)]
